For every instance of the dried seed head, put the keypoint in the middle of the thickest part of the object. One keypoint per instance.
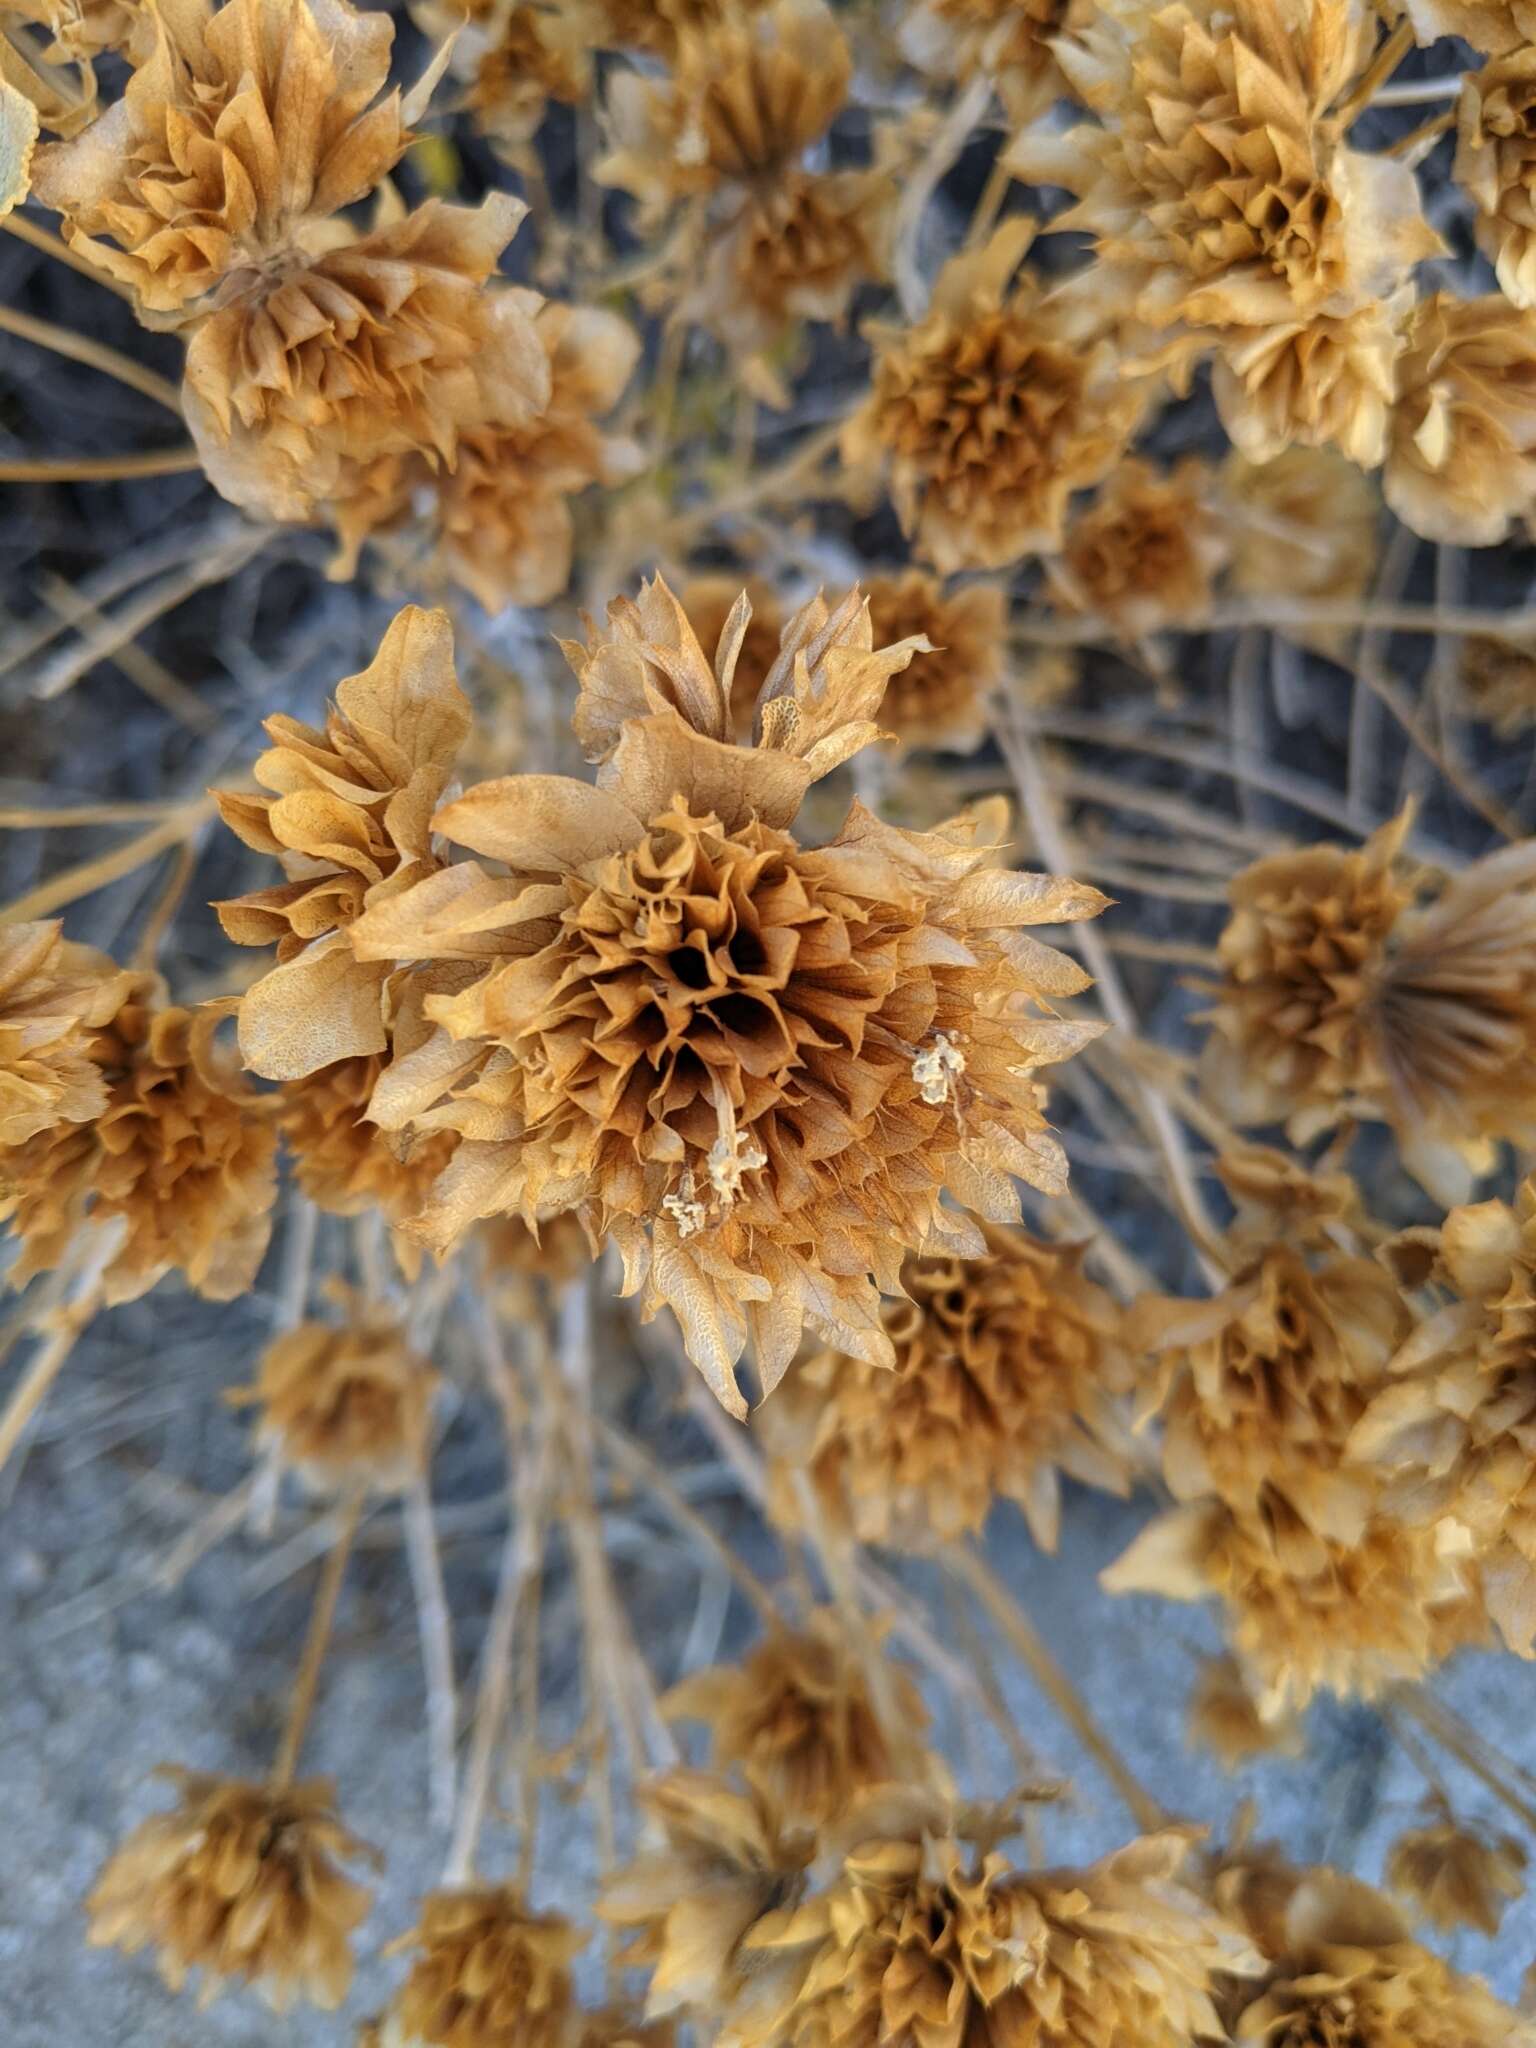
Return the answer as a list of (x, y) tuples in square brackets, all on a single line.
[(240, 1880), (1455, 1877), (1008, 1373), (176, 1173), (796, 1716), (486, 1971), (344, 1406)]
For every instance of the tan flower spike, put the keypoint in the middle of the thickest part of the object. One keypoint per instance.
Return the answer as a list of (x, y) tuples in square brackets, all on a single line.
[(755, 1065), (240, 1880)]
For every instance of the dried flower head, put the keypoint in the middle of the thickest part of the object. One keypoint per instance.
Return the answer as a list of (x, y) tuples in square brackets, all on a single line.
[(54, 996), (1326, 381), (941, 700), (1461, 464), (1498, 680), (1305, 1611), (242, 130), (1496, 164), (513, 57), (1289, 1036), (1144, 554), (1306, 527), (1008, 1372), (79, 31), (792, 249), (486, 1971), (709, 1039), (342, 1162), (1259, 1387), (1454, 1876), (175, 1173), (385, 344), (992, 411), (1497, 27), (742, 100), (715, 1861), (1012, 42), (1223, 1717), (350, 818), (502, 512), (925, 1933), (1457, 1427), (344, 1405), (1219, 189), (240, 1880), (1345, 1971), (797, 1717)]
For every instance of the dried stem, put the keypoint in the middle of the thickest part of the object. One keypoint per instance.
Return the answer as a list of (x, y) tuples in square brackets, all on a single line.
[(60, 890), (1011, 1619), (47, 1362), (307, 1681), (435, 1627), (99, 469), (95, 355), (1464, 1744), (522, 1558)]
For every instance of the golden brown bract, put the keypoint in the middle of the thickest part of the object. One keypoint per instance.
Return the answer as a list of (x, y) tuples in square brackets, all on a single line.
[(1144, 555), (1461, 463), (350, 817), (486, 1971), (924, 1936), (54, 996), (796, 1716), (1457, 1428), (346, 1406), (756, 1066), (242, 129), (943, 698), (1498, 679), (1009, 1372), (990, 412), (175, 1174), (240, 1880)]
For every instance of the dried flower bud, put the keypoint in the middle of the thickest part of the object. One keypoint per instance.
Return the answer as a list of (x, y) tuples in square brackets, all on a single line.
[(1224, 1718), (797, 1716), (1462, 460), (942, 699), (1307, 528), (486, 1971), (344, 1406), (241, 1880), (1455, 1877), (1144, 554), (1008, 1369), (54, 997)]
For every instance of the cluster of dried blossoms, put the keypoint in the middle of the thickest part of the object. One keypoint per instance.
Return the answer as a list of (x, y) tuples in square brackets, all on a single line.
[(707, 1008), (755, 1066)]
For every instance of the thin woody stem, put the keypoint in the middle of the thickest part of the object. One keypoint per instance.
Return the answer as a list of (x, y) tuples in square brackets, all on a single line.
[(306, 1683), (29, 1393), (95, 355), (100, 469), (1020, 1631)]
